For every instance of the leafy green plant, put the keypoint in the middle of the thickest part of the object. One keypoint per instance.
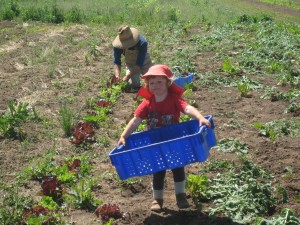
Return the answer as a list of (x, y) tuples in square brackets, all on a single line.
[(72, 169), (53, 188), (49, 203), (98, 116), (40, 167), (108, 213), (42, 215), (266, 130), (228, 67), (64, 174), (198, 187), (81, 195), (184, 118), (244, 88)]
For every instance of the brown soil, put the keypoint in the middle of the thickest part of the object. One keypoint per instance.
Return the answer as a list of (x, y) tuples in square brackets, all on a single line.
[(275, 8), (26, 76)]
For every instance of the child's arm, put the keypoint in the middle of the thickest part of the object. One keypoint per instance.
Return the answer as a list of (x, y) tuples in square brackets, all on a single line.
[(131, 126), (193, 112)]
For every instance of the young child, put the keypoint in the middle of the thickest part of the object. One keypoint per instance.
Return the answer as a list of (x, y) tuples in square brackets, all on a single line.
[(162, 106)]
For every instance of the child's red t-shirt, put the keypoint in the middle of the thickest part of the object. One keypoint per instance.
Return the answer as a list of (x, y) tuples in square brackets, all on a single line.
[(161, 113)]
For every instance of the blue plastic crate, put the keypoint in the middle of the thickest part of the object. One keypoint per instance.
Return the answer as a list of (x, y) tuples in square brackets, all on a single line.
[(181, 81), (163, 148)]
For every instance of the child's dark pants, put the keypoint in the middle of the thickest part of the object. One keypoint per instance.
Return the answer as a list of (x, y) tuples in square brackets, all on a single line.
[(159, 177)]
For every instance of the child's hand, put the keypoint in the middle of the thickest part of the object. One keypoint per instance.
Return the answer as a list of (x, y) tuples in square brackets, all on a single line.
[(204, 121), (121, 141)]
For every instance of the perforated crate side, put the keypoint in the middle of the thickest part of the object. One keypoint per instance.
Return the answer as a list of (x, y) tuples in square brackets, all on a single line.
[(166, 154)]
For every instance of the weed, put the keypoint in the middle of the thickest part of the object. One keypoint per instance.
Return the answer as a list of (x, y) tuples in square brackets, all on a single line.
[(271, 93), (233, 123), (286, 216), (11, 11), (80, 87), (293, 107), (67, 119), (288, 175), (289, 79), (279, 128), (13, 205), (11, 120), (238, 192), (218, 165), (75, 15), (104, 140), (117, 133), (231, 145)]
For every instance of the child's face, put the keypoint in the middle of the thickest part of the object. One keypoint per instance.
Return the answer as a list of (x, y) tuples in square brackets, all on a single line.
[(158, 85)]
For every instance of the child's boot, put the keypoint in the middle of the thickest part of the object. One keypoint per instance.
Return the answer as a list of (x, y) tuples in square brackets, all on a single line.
[(157, 205), (181, 200), (182, 203)]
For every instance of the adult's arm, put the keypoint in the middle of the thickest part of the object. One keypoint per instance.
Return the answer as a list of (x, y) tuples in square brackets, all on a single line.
[(117, 62), (143, 48), (117, 70)]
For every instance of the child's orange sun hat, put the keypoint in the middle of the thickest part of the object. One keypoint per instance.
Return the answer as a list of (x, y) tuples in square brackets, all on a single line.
[(160, 70)]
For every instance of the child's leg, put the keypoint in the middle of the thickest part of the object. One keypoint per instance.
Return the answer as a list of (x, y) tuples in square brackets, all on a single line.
[(158, 190), (179, 181)]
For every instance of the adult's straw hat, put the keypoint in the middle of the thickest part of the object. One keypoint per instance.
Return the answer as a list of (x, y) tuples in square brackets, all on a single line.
[(127, 37)]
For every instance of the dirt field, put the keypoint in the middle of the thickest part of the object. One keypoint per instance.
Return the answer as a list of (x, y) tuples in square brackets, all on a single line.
[(26, 74)]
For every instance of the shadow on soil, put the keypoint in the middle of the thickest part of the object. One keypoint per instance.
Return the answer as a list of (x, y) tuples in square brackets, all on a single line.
[(194, 217)]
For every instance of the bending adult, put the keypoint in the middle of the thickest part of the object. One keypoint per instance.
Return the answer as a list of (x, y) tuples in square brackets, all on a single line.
[(134, 48)]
